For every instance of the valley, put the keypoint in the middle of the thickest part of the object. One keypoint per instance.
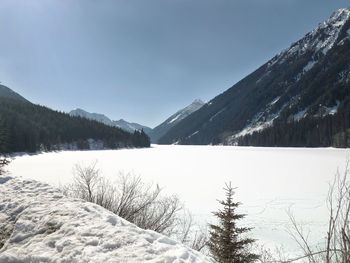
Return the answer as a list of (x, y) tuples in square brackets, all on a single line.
[(98, 184)]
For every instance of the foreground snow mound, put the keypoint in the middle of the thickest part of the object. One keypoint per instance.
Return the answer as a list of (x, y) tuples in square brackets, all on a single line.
[(39, 224)]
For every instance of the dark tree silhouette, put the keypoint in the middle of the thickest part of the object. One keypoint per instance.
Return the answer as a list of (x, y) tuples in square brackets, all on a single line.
[(226, 243)]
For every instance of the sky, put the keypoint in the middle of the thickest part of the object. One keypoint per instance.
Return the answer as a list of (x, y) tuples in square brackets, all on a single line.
[(142, 60)]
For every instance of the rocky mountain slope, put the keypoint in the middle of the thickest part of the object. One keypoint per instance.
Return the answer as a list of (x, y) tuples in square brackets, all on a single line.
[(301, 97), (5, 92), (174, 119)]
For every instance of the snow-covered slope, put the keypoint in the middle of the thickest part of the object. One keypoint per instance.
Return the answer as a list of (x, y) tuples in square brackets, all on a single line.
[(38, 224), (321, 39), (165, 126), (126, 126), (297, 85), (269, 181)]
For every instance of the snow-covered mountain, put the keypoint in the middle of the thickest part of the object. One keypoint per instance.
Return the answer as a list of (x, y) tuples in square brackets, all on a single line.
[(92, 116), (165, 126), (127, 126), (39, 224), (155, 133), (301, 97)]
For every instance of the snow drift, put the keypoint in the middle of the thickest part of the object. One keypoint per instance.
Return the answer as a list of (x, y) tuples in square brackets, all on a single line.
[(39, 224)]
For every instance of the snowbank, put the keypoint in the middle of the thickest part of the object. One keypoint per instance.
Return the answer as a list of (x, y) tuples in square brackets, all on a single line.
[(270, 181), (38, 224)]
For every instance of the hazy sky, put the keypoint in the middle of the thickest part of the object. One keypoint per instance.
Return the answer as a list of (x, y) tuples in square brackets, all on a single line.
[(142, 60)]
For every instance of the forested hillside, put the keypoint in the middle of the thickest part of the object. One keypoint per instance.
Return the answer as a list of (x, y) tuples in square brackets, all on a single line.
[(298, 98), (28, 127), (8, 93), (329, 130)]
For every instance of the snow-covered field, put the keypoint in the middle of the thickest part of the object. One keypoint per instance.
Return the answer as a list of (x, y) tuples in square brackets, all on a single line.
[(269, 181)]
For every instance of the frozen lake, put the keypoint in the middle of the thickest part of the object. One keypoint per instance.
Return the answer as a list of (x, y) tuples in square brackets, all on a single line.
[(269, 181)]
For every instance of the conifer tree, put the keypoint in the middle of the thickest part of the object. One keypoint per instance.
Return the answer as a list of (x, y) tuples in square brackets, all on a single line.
[(226, 243)]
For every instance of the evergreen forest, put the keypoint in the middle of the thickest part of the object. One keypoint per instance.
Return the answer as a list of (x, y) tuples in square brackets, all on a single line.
[(26, 127)]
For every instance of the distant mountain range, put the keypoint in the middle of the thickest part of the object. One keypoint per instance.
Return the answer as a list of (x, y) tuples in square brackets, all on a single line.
[(155, 133), (127, 126), (301, 97)]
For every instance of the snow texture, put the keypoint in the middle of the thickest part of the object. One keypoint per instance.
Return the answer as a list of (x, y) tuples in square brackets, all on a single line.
[(301, 114), (216, 114), (260, 121), (183, 113), (269, 181), (274, 100), (309, 66), (329, 110), (175, 118), (193, 134), (44, 226)]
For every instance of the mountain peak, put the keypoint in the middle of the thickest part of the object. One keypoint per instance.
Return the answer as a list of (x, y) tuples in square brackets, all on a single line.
[(198, 101), (319, 41)]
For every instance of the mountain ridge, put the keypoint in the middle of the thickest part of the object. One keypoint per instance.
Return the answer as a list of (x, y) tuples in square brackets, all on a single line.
[(161, 129), (125, 125)]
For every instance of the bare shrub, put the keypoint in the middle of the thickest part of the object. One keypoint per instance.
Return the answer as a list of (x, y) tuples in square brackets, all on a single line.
[(337, 246), (137, 202), (199, 239), (190, 233), (267, 255)]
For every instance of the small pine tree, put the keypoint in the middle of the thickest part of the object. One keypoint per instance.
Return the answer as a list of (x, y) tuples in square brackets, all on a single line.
[(226, 243)]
